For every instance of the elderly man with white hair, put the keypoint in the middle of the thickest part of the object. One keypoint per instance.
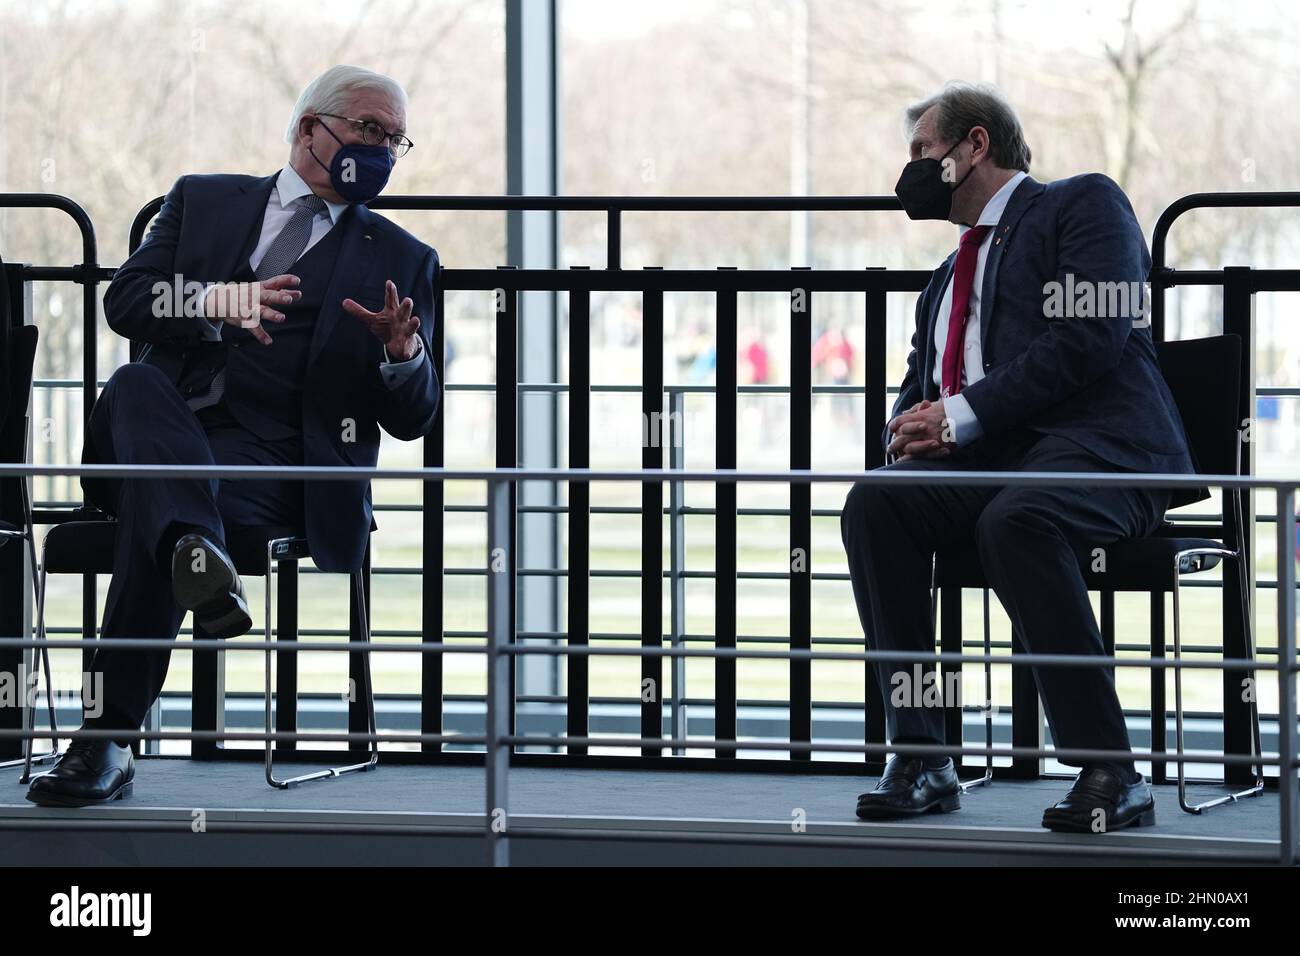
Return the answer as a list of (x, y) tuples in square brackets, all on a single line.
[(305, 333)]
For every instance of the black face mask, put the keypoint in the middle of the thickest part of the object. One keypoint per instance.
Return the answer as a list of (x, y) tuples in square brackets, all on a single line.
[(922, 189)]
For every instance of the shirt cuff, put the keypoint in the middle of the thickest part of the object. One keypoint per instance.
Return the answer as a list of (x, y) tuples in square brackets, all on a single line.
[(965, 426), (396, 374), (209, 332)]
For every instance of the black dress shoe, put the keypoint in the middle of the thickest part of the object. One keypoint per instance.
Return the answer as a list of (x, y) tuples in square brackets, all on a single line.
[(204, 580), (907, 789), (1100, 802), (89, 772)]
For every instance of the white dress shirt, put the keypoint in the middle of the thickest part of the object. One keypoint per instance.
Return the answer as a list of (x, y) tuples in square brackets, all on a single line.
[(288, 188), (966, 427)]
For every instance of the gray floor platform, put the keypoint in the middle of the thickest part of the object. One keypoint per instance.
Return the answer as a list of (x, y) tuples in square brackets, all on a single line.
[(185, 812)]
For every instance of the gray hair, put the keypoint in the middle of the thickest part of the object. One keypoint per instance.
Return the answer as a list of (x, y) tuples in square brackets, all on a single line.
[(963, 106), (333, 90)]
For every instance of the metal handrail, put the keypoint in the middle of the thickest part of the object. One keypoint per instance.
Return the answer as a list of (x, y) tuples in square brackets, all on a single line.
[(500, 648)]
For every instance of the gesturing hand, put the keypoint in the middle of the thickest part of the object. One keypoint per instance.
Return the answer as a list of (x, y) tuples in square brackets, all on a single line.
[(395, 326), (249, 304)]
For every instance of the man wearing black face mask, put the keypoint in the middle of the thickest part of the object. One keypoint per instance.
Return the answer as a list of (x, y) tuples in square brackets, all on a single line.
[(1000, 378), (349, 300)]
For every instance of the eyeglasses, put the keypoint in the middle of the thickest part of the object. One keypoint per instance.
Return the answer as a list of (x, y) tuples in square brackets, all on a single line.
[(372, 134)]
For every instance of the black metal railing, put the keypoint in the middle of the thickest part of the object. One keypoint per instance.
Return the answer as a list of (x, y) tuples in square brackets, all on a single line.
[(502, 647), (725, 284)]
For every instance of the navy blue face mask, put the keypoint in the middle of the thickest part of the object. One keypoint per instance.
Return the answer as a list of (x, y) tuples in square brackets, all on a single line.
[(358, 172)]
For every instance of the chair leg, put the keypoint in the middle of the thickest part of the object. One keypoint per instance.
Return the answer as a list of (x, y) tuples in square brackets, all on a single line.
[(152, 723), (39, 657), (987, 707), (987, 778), (1258, 787), (358, 585)]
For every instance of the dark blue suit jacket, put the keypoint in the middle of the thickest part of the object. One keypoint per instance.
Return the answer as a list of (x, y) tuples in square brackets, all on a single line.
[(1095, 381), (199, 234)]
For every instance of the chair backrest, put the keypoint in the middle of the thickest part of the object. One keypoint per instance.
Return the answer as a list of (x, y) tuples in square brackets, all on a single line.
[(22, 359), (1204, 376), (4, 342)]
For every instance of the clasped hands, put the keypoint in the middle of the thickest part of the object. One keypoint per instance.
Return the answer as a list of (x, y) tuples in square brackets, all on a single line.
[(249, 304), (923, 431)]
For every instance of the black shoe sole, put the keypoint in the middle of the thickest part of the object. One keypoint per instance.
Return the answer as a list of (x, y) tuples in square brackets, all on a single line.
[(219, 609), (946, 804), (63, 800), (1147, 818)]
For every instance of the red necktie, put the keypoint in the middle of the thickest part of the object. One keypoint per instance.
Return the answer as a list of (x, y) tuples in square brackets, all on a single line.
[(963, 277)]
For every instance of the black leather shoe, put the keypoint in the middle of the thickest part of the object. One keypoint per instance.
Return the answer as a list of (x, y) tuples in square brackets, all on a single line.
[(89, 772), (204, 580), (907, 789), (1100, 802)]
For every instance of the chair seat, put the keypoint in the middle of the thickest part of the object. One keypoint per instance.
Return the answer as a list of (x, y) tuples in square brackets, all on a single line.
[(86, 547), (1132, 564)]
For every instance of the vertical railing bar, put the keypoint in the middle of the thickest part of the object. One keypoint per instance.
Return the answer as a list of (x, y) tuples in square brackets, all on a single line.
[(90, 627), (725, 520), (432, 586), (207, 697), (1027, 729), (286, 659), (1159, 705), (359, 622), (677, 562), (579, 584), (875, 322), (951, 636), (652, 520), (1239, 319), (15, 566), (799, 558), (500, 691), (875, 319), (1159, 702), (1288, 783), (613, 238), (507, 436), (90, 393), (1106, 602)]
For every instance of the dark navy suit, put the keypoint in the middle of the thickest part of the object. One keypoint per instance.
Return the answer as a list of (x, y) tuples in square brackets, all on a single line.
[(315, 396), (1057, 394)]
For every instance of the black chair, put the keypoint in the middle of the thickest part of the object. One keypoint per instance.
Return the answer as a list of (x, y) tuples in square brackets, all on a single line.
[(20, 351), (86, 547), (1204, 376)]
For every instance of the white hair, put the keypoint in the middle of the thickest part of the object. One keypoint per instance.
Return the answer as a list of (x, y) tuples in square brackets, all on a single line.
[(333, 90)]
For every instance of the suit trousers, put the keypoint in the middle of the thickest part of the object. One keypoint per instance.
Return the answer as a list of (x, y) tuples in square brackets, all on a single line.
[(141, 418), (1032, 542)]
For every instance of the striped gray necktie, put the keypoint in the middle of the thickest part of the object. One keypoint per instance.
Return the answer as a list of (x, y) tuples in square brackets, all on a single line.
[(284, 251)]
